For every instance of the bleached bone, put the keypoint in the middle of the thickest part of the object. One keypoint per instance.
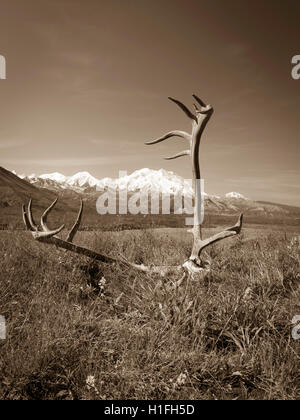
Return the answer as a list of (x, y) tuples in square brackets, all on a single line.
[(194, 265)]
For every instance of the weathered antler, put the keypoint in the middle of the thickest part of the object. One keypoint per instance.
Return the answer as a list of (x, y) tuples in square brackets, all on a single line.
[(199, 120), (194, 265), (50, 237)]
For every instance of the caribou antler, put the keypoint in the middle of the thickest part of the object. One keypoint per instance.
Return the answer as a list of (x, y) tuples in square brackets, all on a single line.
[(199, 120), (194, 265), (50, 237)]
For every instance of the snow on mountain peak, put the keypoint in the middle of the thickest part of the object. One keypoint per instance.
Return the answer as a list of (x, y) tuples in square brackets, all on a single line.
[(82, 179), (163, 181), (154, 180), (235, 195)]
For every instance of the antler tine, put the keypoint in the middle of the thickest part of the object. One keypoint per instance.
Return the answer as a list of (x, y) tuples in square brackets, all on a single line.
[(184, 108), (199, 101), (75, 228), (180, 154), (227, 233), (238, 226), (32, 223), (25, 218), (175, 133), (45, 215), (47, 235)]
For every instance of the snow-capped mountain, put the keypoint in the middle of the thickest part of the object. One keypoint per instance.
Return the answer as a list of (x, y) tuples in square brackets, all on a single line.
[(236, 195), (57, 181), (15, 191), (143, 179), (81, 179), (165, 182), (57, 177)]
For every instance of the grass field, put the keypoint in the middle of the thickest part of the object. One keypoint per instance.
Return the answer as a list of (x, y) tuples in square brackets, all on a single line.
[(75, 331)]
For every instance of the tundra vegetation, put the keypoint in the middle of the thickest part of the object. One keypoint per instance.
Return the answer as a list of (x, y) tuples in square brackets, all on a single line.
[(76, 330)]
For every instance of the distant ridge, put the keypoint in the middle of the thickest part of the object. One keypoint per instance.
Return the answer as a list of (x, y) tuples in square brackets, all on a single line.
[(145, 179), (15, 191)]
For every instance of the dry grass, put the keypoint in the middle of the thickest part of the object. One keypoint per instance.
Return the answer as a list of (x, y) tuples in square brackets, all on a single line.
[(139, 338)]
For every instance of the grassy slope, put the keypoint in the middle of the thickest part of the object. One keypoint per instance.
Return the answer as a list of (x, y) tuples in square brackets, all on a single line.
[(228, 337)]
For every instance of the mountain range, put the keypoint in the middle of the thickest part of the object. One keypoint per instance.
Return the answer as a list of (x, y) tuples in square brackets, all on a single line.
[(16, 190), (165, 182)]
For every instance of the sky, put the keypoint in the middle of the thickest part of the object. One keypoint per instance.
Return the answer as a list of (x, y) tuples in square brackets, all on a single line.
[(88, 83)]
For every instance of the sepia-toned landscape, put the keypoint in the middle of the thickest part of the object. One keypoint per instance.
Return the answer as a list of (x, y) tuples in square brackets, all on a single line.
[(141, 336), (124, 299)]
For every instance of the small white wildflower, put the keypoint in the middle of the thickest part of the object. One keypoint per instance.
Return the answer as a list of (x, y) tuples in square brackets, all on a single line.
[(102, 282), (237, 373), (247, 294), (91, 382), (181, 380)]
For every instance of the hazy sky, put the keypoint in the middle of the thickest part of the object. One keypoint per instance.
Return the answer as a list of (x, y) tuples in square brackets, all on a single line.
[(88, 81)]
